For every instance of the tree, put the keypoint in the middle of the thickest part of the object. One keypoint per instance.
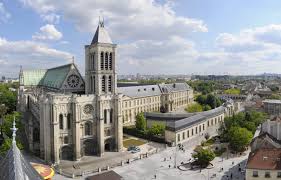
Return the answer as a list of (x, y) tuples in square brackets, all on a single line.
[(195, 107), (7, 145), (8, 123), (157, 129), (207, 107), (201, 99), (140, 122), (239, 138), (204, 156)]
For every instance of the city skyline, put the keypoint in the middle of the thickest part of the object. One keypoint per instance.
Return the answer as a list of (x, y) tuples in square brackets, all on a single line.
[(177, 37)]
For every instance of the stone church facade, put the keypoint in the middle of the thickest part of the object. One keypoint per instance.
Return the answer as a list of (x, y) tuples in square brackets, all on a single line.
[(67, 116)]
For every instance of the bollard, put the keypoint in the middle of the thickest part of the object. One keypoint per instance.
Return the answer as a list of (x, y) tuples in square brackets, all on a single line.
[(122, 163), (99, 170), (73, 176), (60, 171), (146, 154), (128, 161), (107, 167), (140, 156)]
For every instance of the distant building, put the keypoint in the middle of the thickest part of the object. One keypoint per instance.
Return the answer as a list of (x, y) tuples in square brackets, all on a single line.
[(272, 106), (272, 127)]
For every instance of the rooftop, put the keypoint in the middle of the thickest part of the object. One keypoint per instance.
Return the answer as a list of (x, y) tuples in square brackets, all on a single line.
[(110, 175), (101, 35), (275, 101), (265, 159)]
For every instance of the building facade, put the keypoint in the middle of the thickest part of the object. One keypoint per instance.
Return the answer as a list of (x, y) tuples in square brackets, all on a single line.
[(67, 117), (272, 106)]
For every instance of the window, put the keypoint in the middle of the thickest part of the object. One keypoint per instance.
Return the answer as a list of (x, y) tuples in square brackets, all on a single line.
[(200, 128), (106, 61), (179, 137), (183, 135), (203, 127), (110, 61), (87, 129), (187, 133), (111, 115), (196, 130), (255, 174), (93, 61), (267, 174), (65, 140), (103, 84), (94, 84), (61, 121), (102, 61), (109, 83), (105, 116), (68, 121), (279, 174), (192, 132), (208, 123), (91, 81)]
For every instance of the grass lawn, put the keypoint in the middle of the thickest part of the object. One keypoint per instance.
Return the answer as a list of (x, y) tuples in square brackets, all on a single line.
[(132, 142)]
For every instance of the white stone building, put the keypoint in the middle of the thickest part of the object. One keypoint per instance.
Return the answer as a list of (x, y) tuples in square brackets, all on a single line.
[(67, 117)]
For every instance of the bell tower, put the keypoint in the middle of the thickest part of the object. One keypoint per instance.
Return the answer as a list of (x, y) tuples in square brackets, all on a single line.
[(101, 81), (100, 64)]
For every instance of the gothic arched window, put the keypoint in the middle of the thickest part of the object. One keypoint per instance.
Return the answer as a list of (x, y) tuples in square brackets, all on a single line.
[(109, 83), (68, 121), (102, 61), (110, 61), (91, 81), (105, 116), (36, 135), (93, 84), (106, 61), (93, 61), (88, 129), (61, 121), (111, 115), (103, 84)]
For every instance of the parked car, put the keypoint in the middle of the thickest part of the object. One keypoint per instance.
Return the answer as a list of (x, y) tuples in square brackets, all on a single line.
[(133, 149)]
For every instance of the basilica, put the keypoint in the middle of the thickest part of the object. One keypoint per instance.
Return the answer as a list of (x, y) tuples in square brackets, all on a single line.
[(68, 115)]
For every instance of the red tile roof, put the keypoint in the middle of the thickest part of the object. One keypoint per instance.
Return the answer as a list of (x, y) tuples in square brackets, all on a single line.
[(265, 159)]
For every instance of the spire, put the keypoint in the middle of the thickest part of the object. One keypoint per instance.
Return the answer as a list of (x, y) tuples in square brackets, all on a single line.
[(14, 130), (101, 35)]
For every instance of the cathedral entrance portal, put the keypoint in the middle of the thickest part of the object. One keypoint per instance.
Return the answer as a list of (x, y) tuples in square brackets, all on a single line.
[(66, 153), (89, 148), (109, 145)]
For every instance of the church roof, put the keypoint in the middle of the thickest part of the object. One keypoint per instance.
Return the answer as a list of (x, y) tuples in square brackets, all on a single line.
[(55, 77), (101, 35), (14, 166), (51, 78), (33, 77)]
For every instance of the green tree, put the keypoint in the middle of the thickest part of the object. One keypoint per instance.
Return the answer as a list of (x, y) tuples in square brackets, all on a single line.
[(201, 99), (207, 107), (195, 107), (140, 122), (203, 156), (8, 123), (8, 97), (157, 129), (239, 138), (7, 145)]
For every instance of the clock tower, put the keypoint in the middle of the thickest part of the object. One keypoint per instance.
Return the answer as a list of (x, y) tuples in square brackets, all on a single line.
[(101, 81)]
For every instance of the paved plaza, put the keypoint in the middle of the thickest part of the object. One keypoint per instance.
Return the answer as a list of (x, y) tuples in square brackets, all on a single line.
[(155, 165)]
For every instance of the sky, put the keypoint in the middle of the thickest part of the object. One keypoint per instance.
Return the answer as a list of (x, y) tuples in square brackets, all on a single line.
[(152, 36)]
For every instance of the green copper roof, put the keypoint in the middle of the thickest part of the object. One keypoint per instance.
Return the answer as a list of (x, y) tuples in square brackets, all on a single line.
[(55, 77), (33, 77)]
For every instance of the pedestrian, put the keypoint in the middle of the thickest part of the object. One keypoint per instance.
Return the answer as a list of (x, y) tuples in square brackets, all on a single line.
[(232, 162), (170, 157), (169, 166), (231, 175), (155, 176), (164, 159)]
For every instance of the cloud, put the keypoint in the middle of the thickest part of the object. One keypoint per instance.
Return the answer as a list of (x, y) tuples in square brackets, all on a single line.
[(4, 14), (125, 19), (48, 32), (51, 18), (30, 54)]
